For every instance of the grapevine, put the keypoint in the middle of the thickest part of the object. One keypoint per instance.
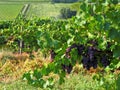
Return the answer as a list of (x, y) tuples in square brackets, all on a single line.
[(91, 38)]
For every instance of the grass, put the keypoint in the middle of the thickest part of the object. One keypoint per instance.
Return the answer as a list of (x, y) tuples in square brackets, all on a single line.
[(9, 11), (80, 81), (16, 85), (74, 82)]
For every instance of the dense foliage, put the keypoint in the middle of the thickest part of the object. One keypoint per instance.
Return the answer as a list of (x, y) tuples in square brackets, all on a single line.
[(92, 38)]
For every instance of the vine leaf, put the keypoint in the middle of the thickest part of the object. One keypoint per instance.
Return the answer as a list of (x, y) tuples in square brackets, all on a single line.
[(116, 51)]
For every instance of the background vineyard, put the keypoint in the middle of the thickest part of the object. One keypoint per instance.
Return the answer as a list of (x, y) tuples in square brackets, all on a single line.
[(45, 9)]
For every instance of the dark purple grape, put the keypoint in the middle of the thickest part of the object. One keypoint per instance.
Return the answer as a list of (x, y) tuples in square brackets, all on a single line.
[(88, 67), (105, 62), (85, 60), (80, 49), (87, 63), (95, 66), (91, 53), (91, 56)]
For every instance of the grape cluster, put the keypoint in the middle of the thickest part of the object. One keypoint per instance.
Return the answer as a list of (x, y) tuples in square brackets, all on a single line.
[(92, 56), (89, 58), (105, 62)]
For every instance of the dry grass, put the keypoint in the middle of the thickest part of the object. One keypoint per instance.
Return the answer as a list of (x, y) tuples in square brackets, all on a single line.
[(13, 66)]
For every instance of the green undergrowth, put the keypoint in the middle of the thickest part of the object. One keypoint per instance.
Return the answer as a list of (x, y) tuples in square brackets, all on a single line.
[(16, 85), (80, 81)]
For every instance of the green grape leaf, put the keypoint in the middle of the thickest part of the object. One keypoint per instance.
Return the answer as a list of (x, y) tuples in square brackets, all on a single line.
[(118, 83), (113, 34), (37, 74), (83, 7), (116, 51)]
